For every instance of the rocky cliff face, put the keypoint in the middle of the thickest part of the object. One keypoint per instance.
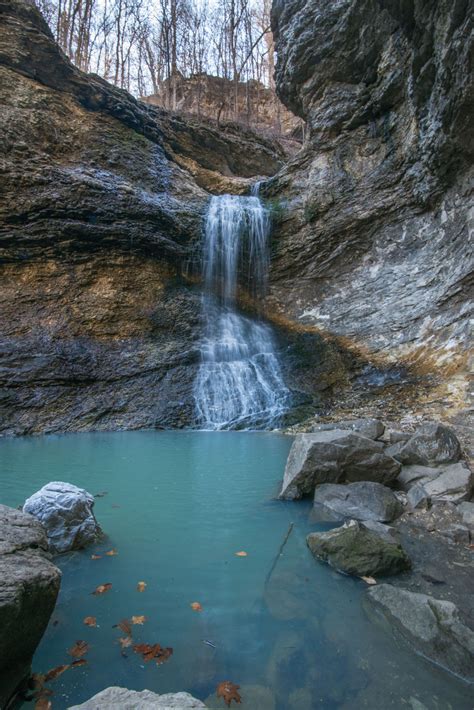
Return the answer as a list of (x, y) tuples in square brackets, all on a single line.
[(372, 244), (102, 200)]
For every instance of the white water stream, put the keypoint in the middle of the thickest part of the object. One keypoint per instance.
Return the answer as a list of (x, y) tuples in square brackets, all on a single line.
[(239, 382)]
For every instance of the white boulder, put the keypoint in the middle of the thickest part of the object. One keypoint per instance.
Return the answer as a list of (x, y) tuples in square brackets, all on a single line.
[(66, 514)]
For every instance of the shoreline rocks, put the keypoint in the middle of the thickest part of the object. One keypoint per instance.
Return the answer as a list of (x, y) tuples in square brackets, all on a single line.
[(66, 512), (363, 500), (432, 627), (359, 550), (335, 456), (29, 586), (116, 697)]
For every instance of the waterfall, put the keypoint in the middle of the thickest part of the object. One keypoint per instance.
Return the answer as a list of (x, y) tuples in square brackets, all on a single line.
[(239, 382)]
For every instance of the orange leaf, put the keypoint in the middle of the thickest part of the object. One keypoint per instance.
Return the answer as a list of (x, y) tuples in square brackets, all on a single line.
[(102, 588), (153, 653), (43, 704), (141, 586), (90, 621), (79, 649), (55, 672), (111, 553), (196, 606), (96, 557), (139, 619), (80, 662), (241, 554), (228, 692), (125, 641)]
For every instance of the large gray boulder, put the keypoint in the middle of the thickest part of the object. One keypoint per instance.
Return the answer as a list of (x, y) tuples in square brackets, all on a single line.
[(66, 513), (29, 585), (431, 626), (115, 698), (363, 500), (359, 550), (432, 443), (335, 456), (466, 511)]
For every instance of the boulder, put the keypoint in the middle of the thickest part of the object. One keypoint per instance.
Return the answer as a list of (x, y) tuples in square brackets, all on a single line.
[(335, 456), (454, 483), (418, 497), (371, 428), (409, 475), (66, 513), (358, 550), (29, 585), (114, 698), (363, 500), (432, 443), (431, 626)]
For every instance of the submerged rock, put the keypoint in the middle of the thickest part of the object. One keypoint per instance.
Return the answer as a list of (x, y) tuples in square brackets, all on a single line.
[(358, 550), (114, 697), (432, 443), (431, 626), (363, 500), (66, 513), (29, 585), (335, 456)]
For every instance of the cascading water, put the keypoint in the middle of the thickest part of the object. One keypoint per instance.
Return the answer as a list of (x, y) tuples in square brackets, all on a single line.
[(239, 383)]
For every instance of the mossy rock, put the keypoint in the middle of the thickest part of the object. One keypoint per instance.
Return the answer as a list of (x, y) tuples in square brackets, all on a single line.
[(356, 550)]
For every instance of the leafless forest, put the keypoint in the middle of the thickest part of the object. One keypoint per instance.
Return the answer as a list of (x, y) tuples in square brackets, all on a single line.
[(149, 46)]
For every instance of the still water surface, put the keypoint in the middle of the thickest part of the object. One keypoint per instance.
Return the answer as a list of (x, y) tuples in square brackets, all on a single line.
[(178, 506)]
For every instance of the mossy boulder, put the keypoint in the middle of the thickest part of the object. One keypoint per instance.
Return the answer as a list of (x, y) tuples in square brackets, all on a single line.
[(356, 549)]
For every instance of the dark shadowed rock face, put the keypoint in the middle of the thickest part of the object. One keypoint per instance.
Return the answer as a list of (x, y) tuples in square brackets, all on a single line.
[(372, 242), (29, 585)]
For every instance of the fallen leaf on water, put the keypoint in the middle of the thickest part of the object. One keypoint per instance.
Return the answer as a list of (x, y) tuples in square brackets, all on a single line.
[(138, 619), (242, 553), (125, 642), (141, 586), (102, 588), (369, 580), (80, 662), (96, 557), (154, 652), (90, 621), (79, 649), (228, 691), (43, 704), (111, 553), (124, 626), (56, 672), (196, 606)]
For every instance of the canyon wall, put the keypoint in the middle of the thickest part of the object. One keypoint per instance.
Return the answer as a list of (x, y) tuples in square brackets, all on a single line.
[(372, 244)]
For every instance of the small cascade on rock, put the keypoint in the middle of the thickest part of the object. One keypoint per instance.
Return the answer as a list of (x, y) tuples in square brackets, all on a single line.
[(239, 383)]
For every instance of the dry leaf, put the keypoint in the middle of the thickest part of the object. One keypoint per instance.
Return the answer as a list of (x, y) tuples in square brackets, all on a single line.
[(125, 642), (242, 553), (43, 704), (369, 580), (196, 606), (56, 672), (124, 626), (141, 586), (139, 619), (80, 662), (90, 621), (153, 652), (228, 692), (96, 557), (111, 553), (79, 649), (102, 588)]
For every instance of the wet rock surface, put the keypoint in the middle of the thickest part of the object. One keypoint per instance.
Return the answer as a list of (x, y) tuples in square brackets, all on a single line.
[(114, 697), (431, 626), (66, 513), (359, 550), (29, 585), (335, 456)]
